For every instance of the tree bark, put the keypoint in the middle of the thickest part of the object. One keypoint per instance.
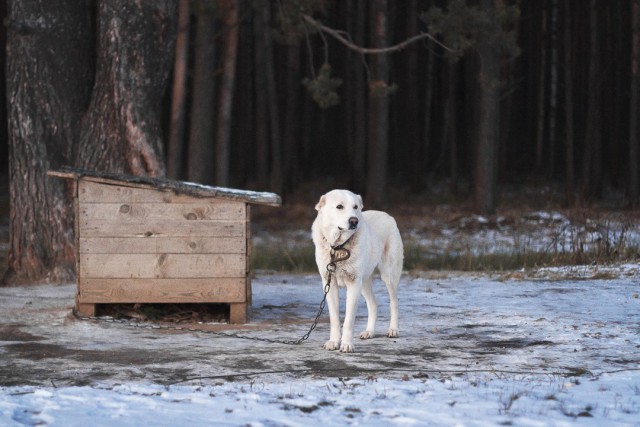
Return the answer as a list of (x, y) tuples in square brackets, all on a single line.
[(486, 165), (553, 87), (227, 86), (542, 85), (591, 184), (292, 158), (201, 150), (634, 159), (378, 109), (358, 120), (49, 77), (276, 172), (261, 101), (570, 175), (122, 131), (175, 145)]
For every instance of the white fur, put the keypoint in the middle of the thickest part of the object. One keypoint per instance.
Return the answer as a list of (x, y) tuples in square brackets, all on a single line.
[(375, 243)]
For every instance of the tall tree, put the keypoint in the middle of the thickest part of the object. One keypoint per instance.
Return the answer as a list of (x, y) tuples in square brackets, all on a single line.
[(49, 76), (378, 108), (201, 151), (486, 165), (634, 86), (66, 109), (175, 144), (488, 29), (227, 87), (121, 130), (591, 183), (569, 175)]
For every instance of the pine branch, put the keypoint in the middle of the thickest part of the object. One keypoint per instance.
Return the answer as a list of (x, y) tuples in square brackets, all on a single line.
[(372, 51)]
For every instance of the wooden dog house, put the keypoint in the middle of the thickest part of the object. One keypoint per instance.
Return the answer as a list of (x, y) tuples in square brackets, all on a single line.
[(149, 240)]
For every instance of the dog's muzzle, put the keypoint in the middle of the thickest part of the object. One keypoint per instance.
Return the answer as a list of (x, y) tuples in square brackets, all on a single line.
[(353, 223)]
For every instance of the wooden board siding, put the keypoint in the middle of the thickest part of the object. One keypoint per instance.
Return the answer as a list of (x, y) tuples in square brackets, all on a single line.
[(145, 245)]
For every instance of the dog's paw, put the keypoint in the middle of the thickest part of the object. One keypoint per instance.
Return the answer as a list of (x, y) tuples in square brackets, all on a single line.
[(393, 333), (347, 348), (365, 335), (331, 345)]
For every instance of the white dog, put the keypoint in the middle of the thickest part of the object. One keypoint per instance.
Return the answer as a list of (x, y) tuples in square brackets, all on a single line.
[(373, 240)]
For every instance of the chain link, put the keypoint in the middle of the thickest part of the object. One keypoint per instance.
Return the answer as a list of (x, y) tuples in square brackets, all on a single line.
[(337, 255)]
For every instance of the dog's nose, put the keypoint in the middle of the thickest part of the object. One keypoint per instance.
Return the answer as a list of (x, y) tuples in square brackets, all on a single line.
[(353, 223)]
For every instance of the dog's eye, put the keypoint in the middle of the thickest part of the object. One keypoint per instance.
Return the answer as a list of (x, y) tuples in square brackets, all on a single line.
[(339, 207), (355, 207)]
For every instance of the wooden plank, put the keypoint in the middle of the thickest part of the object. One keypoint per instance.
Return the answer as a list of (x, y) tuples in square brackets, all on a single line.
[(214, 210), (162, 265), (238, 313), (248, 249), (175, 245), (106, 291), (85, 310), (161, 228)]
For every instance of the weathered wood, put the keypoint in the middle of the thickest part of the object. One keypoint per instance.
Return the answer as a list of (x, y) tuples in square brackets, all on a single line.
[(166, 186), (238, 312), (145, 240), (248, 249), (85, 310), (108, 291), (159, 228), (175, 245), (204, 211), (162, 265), (97, 192)]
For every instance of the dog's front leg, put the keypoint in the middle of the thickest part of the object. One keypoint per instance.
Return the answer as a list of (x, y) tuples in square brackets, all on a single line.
[(333, 301), (353, 293)]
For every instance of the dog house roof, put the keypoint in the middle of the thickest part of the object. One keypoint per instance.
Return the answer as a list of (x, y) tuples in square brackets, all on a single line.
[(163, 184)]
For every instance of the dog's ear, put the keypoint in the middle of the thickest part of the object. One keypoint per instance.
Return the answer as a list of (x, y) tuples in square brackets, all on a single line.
[(360, 204), (321, 203)]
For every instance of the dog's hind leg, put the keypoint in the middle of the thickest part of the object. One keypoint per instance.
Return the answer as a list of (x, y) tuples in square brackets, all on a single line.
[(372, 309), (390, 271), (392, 287)]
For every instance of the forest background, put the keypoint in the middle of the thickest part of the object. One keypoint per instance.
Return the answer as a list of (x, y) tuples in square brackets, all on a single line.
[(388, 98)]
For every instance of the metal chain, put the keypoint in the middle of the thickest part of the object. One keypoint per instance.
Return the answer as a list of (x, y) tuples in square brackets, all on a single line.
[(338, 254)]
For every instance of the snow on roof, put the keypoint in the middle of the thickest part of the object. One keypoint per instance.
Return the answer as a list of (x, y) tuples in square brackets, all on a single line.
[(164, 184)]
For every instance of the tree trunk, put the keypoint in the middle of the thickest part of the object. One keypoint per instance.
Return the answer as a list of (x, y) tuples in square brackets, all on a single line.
[(427, 128), (449, 121), (542, 84), (230, 54), (201, 150), (277, 178), (570, 185), (486, 165), (175, 145), (409, 113), (261, 101), (378, 109), (358, 118), (292, 159), (49, 78), (122, 131), (591, 184), (553, 87), (634, 159)]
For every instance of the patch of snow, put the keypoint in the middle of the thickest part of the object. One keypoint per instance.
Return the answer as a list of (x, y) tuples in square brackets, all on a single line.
[(469, 400)]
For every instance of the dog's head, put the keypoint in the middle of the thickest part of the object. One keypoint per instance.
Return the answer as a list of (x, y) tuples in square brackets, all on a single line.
[(341, 212)]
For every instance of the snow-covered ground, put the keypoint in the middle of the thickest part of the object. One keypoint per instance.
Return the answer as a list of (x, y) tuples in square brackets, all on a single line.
[(532, 348), (474, 399)]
